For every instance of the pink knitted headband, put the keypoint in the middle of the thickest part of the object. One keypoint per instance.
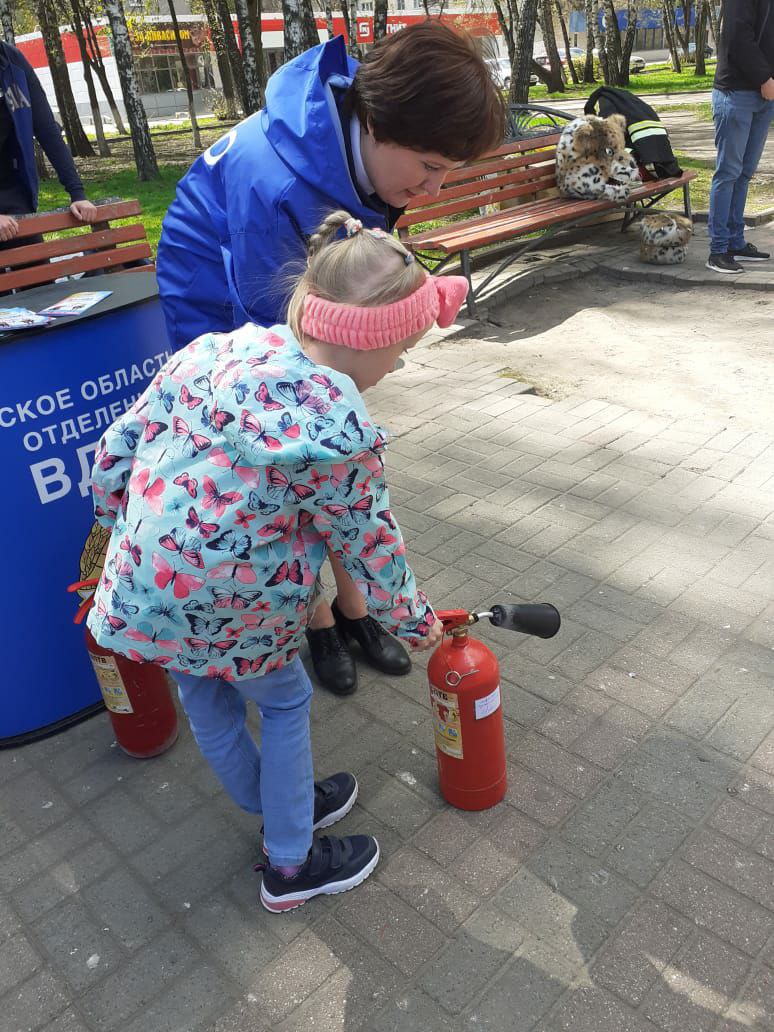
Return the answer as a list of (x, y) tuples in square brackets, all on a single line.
[(437, 300)]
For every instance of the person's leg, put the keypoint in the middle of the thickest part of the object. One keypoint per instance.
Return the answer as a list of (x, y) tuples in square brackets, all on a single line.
[(287, 780), (732, 112), (349, 599), (216, 713), (762, 114)]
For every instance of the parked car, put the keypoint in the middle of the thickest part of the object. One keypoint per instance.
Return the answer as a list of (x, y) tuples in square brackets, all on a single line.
[(708, 51), (500, 70)]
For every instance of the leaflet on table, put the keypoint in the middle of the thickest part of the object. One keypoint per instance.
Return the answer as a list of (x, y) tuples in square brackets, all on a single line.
[(21, 319), (75, 304)]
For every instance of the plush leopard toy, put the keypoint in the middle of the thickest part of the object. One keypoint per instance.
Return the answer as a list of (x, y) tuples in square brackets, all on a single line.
[(664, 238), (592, 161)]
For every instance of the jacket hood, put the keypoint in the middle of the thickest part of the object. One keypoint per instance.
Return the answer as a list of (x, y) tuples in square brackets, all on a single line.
[(301, 113), (292, 411)]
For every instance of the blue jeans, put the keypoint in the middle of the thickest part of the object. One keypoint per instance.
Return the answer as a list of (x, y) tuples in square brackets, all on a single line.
[(742, 119), (277, 781)]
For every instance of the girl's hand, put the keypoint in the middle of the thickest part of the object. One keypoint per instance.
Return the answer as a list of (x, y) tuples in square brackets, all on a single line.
[(434, 638)]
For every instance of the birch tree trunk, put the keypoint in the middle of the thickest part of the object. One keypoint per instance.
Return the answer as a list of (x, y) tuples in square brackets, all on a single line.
[(96, 114), (254, 12), (232, 49), (142, 144), (522, 60), (351, 29), (297, 35), (701, 37), (667, 17), (566, 40), (249, 65), (221, 56), (714, 23), (380, 19), (197, 136), (591, 36), (6, 22), (556, 80), (98, 67), (68, 112)]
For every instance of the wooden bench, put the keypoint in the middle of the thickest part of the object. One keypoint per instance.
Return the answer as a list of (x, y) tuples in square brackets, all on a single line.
[(523, 167), (96, 248)]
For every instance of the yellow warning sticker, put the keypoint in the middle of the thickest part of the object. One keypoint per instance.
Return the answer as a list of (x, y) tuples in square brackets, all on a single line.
[(446, 721), (111, 685)]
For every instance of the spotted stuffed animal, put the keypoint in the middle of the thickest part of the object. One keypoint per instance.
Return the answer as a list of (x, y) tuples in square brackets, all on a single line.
[(592, 161), (664, 238)]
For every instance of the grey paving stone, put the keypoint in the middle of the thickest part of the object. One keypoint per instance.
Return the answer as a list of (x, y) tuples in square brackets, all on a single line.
[(648, 842), (192, 1002), (589, 1009), (34, 1002), (34, 803), (696, 986), (68, 1021), (475, 954), (395, 805), (739, 821), (135, 826), (581, 878), (524, 991), (555, 764), (612, 736), (637, 955), (711, 905), (746, 724), (413, 1011), (428, 889), (78, 948), (65, 879), (139, 978), (244, 1016), (733, 865), (445, 836), (121, 903), (395, 930), (535, 797), (547, 914), (595, 826), (18, 960), (20, 865)]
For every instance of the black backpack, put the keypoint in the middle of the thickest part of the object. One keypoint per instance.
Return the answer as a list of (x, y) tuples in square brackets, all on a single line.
[(645, 132)]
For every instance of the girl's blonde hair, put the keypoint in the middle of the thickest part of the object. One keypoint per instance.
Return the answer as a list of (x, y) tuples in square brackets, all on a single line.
[(368, 268)]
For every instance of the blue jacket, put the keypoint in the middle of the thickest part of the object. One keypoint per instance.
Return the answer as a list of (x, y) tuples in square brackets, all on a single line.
[(224, 486), (21, 92), (244, 209)]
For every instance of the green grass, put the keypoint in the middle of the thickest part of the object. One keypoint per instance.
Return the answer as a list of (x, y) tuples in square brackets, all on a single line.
[(659, 80), (154, 197)]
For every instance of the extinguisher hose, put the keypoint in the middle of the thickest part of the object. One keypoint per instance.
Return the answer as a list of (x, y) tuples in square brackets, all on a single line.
[(88, 602), (540, 619)]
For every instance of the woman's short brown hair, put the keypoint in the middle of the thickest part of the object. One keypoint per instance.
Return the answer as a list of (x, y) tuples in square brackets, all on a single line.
[(428, 88)]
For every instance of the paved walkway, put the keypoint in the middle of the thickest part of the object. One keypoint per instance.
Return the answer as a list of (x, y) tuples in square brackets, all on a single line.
[(626, 884)]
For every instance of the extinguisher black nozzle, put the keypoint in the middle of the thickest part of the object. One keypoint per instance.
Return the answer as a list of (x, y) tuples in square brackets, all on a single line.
[(540, 619)]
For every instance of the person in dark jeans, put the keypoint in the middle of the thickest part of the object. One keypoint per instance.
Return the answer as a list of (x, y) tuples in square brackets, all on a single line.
[(25, 115), (742, 109)]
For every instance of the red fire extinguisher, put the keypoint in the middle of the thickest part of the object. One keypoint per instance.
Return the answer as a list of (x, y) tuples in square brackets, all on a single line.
[(136, 695), (465, 699)]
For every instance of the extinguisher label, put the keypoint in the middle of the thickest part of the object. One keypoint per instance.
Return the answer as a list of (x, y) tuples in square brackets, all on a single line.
[(488, 704), (446, 718), (111, 685)]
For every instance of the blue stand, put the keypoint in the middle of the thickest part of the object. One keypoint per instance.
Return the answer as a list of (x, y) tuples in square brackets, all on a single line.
[(57, 386)]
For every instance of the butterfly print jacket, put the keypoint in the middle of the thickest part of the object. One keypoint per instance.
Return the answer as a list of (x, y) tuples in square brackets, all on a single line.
[(224, 486)]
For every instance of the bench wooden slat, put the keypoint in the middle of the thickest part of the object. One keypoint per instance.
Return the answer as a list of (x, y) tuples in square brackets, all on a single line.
[(487, 168), (36, 275), (492, 229), (51, 222), (504, 189), (32, 253), (492, 196)]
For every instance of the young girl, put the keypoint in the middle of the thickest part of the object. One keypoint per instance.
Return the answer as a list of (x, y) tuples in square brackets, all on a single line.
[(247, 460)]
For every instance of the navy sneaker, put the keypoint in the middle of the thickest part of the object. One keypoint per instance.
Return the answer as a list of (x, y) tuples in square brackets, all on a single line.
[(334, 865), (723, 263), (750, 253), (333, 799)]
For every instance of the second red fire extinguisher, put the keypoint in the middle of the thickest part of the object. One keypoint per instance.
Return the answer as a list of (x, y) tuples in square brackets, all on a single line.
[(465, 699)]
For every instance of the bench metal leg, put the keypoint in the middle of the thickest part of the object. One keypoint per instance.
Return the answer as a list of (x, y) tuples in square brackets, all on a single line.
[(687, 200), (466, 272)]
